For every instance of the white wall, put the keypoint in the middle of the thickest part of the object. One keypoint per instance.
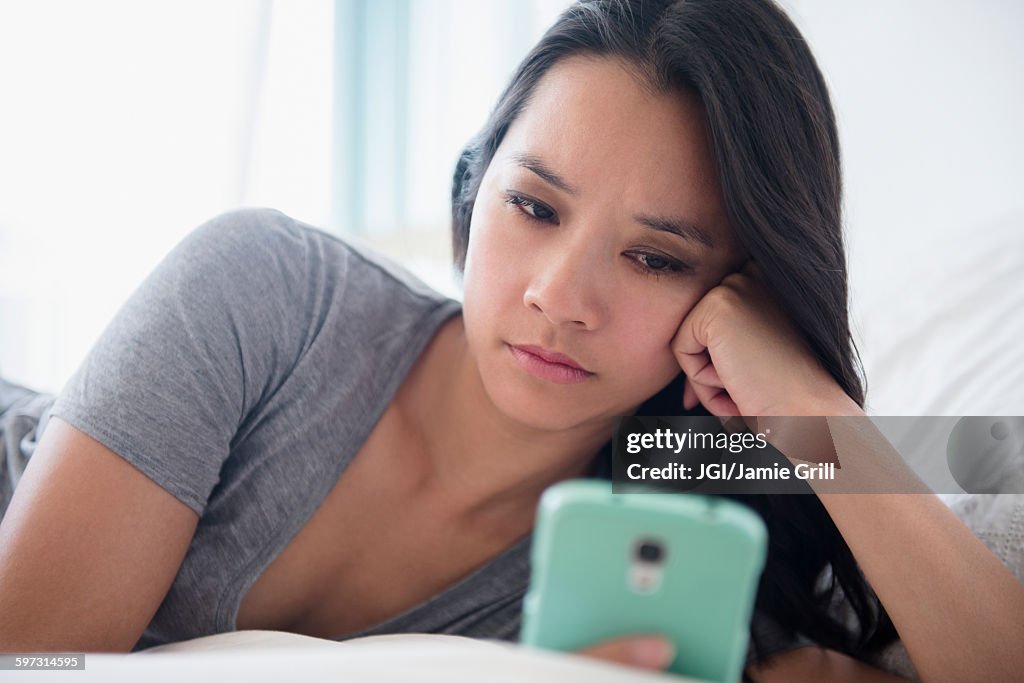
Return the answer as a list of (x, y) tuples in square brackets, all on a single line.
[(125, 124)]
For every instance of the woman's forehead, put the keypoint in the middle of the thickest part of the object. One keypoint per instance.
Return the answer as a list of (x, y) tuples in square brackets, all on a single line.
[(594, 124), (586, 100)]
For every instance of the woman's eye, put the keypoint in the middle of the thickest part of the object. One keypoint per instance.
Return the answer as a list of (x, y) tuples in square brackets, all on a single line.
[(657, 265), (530, 208), (655, 262)]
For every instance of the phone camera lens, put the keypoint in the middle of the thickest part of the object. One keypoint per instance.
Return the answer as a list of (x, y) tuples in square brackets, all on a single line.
[(650, 552)]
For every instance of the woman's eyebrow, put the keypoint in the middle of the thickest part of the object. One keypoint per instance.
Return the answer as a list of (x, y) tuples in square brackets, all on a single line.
[(677, 226), (541, 169)]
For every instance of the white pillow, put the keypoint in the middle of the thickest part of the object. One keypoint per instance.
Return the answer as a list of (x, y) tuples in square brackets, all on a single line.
[(943, 332)]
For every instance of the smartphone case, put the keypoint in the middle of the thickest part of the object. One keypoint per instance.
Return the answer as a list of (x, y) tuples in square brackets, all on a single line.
[(584, 572)]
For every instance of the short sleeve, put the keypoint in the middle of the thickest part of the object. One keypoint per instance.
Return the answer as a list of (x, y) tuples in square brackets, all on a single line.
[(195, 349)]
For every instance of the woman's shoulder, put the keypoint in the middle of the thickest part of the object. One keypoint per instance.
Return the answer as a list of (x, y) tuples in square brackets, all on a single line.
[(256, 235), (246, 226)]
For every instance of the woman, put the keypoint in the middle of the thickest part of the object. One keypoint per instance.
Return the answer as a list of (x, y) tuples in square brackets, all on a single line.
[(282, 431)]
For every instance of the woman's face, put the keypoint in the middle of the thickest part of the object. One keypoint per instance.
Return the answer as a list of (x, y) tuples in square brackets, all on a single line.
[(598, 226)]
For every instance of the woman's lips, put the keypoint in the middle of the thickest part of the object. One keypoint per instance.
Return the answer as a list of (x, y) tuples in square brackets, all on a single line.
[(554, 367)]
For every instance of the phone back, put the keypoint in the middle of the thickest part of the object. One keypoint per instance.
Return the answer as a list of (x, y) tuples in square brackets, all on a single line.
[(605, 565)]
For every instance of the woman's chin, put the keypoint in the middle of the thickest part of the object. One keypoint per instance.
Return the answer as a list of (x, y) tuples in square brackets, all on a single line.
[(549, 409), (552, 409)]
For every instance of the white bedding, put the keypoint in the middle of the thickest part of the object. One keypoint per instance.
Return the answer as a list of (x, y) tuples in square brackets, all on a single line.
[(258, 656)]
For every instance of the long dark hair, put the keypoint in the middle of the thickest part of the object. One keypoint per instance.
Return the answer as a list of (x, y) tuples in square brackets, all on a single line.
[(776, 147)]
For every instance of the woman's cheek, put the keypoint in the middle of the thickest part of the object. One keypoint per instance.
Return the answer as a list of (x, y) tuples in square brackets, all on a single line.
[(656, 317), (485, 265), (647, 332)]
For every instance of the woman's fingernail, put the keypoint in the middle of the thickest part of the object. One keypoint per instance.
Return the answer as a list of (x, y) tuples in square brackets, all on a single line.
[(655, 653)]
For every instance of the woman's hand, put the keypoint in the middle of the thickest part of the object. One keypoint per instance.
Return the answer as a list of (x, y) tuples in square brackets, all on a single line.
[(742, 356), (655, 653), (651, 652)]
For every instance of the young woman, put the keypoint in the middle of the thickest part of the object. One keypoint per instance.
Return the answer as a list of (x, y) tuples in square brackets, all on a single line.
[(282, 431)]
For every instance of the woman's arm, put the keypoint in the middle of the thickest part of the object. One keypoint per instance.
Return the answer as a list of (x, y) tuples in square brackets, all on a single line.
[(958, 610), (89, 546), (812, 665)]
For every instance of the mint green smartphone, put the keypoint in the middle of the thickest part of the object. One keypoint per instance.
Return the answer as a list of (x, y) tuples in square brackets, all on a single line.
[(611, 564)]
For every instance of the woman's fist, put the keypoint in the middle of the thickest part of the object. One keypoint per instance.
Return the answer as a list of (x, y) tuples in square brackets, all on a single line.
[(742, 356)]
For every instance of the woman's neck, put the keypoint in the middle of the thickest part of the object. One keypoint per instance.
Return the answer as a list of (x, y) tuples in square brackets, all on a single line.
[(477, 458)]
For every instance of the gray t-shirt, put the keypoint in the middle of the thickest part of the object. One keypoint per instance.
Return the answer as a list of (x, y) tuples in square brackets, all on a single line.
[(242, 376)]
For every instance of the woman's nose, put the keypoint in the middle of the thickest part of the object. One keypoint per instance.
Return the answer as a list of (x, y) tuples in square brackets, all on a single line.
[(565, 287)]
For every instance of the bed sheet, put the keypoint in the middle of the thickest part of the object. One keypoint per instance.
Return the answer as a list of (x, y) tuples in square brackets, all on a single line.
[(265, 656)]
